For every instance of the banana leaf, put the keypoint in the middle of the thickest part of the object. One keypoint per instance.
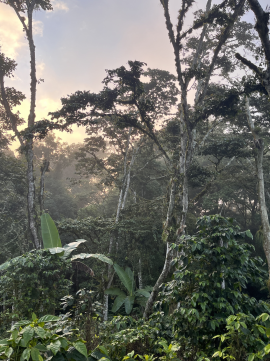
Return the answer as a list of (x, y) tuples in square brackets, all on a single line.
[(49, 232), (129, 301), (124, 277), (115, 292), (118, 303), (99, 256)]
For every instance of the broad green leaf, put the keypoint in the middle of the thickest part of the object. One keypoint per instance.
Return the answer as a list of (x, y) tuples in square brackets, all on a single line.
[(99, 355), (249, 234), (267, 331), (41, 347), (25, 355), (35, 354), (54, 346), (28, 333), (265, 317), (4, 342), (48, 318), (74, 354), (2, 349), (57, 250), (80, 346), (14, 334), (40, 332), (64, 342), (213, 326), (20, 323), (131, 277), (101, 257), (118, 302), (124, 277), (34, 317), (251, 357), (267, 349), (261, 329), (49, 232), (143, 292), (129, 301), (8, 352), (70, 247), (115, 292), (103, 350)]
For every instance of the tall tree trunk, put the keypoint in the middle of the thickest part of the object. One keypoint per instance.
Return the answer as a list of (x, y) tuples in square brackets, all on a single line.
[(263, 208), (31, 121), (179, 183), (28, 28), (259, 150), (31, 194)]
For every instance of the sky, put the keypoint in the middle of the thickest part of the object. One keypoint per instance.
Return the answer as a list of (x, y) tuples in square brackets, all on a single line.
[(79, 39)]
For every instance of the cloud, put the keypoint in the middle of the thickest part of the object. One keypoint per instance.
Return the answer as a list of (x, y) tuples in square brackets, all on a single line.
[(46, 105), (59, 5), (12, 37), (40, 69), (11, 32), (37, 27)]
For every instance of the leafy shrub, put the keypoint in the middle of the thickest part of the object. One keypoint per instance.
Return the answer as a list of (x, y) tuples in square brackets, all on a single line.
[(247, 337), (213, 270), (33, 282), (41, 338), (210, 282)]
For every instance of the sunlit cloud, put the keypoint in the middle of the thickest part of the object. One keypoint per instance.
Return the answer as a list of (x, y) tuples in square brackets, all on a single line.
[(59, 5), (46, 105), (11, 34)]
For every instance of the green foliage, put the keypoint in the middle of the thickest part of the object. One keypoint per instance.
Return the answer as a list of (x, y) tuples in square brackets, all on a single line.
[(86, 313), (128, 299), (209, 284), (50, 236), (40, 339), (33, 282), (247, 337), (13, 220)]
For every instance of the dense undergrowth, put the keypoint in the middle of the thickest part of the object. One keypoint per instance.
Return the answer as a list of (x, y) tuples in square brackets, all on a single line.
[(214, 304)]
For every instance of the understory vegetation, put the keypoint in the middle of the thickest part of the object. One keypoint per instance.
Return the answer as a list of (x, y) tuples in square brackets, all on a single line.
[(149, 240)]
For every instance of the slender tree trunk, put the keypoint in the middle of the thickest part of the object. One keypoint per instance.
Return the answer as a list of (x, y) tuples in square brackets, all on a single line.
[(162, 276), (28, 28), (31, 194), (121, 205), (259, 150), (140, 274), (263, 208)]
